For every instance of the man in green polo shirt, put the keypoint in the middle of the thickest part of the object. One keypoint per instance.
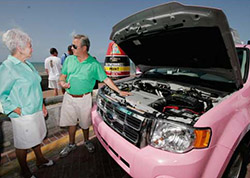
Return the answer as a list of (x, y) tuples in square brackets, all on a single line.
[(79, 74)]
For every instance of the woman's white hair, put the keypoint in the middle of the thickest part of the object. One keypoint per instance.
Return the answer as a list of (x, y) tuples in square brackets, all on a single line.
[(14, 38)]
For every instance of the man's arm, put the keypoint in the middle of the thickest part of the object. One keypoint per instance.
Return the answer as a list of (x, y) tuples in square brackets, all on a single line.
[(62, 81), (111, 84)]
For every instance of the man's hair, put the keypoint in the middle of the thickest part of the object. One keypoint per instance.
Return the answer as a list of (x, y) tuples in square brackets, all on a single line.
[(84, 40), (14, 38), (53, 51), (70, 49)]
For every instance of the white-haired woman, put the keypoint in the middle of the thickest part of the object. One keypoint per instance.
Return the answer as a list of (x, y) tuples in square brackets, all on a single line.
[(21, 98)]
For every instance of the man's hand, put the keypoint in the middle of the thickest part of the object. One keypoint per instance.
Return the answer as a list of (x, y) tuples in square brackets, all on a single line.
[(64, 84), (62, 81), (18, 111), (124, 93), (111, 84)]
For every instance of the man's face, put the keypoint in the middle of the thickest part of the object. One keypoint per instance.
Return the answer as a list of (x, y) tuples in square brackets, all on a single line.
[(79, 49)]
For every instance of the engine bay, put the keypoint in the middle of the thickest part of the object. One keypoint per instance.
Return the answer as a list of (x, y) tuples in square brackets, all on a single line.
[(165, 99)]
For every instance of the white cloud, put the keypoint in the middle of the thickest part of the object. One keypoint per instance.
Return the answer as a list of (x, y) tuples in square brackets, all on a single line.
[(1, 33), (72, 33), (12, 24)]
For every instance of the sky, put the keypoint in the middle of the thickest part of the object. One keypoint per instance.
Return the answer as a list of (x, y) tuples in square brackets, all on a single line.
[(51, 23)]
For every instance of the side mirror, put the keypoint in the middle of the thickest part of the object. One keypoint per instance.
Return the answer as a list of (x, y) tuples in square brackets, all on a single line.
[(248, 42)]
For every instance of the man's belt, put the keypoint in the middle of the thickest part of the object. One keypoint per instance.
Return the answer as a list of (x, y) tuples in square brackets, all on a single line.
[(79, 96)]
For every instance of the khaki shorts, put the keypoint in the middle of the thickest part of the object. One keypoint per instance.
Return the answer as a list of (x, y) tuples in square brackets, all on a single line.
[(76, 110), (54, 84)]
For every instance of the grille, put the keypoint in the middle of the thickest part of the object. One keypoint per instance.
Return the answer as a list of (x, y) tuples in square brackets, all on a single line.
[(131, 134), (123, 123), (109, 106), (121, 115), (133, 122)]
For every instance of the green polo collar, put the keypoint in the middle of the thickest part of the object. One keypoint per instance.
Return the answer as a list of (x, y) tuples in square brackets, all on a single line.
[(85, 61)]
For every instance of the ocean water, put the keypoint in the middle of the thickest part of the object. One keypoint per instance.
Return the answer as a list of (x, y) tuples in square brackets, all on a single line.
[(40, 67)]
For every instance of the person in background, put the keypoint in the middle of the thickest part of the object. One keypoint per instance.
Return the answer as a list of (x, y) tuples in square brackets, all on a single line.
[(22, 99), (53, 69), (64, 56), (79, 74)]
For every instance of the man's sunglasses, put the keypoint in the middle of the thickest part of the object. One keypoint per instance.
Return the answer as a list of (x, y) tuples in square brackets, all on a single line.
[(74, 46)]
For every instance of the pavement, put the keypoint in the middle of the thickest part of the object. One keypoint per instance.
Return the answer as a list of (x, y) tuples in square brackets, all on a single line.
[(79, 163)]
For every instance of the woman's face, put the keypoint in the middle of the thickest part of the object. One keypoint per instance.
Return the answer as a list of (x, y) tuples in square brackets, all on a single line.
[(27, 51)]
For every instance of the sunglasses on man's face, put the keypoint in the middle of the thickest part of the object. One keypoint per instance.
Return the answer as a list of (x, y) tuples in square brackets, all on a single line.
[(74, 46)]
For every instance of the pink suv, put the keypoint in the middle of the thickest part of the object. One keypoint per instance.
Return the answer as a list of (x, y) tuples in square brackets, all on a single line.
[(189, 112)]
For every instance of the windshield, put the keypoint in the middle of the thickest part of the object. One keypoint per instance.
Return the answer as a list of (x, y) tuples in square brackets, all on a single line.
[(196, 73), (189, 77), (186, 72)]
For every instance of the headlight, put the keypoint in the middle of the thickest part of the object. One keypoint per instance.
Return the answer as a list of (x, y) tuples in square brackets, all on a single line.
[(178, 138)]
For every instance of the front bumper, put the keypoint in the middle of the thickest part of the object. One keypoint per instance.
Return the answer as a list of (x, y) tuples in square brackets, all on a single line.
[(149, 162)]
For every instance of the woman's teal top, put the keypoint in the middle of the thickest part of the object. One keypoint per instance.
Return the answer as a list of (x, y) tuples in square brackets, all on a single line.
[(20, 87)]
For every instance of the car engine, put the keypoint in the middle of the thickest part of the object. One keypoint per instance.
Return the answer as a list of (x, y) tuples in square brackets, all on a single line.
[(150, 100)]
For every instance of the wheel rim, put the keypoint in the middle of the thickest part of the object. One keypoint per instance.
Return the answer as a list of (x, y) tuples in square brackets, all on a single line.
[(236, 167)]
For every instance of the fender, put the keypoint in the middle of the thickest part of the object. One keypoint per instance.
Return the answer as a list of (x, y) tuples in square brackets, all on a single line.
[(227, 142)]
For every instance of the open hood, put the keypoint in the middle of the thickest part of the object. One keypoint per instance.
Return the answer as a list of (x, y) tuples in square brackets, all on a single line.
[(176, 35)]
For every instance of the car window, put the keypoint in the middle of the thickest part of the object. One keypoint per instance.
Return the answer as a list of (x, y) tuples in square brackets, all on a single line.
[(243, 59)]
